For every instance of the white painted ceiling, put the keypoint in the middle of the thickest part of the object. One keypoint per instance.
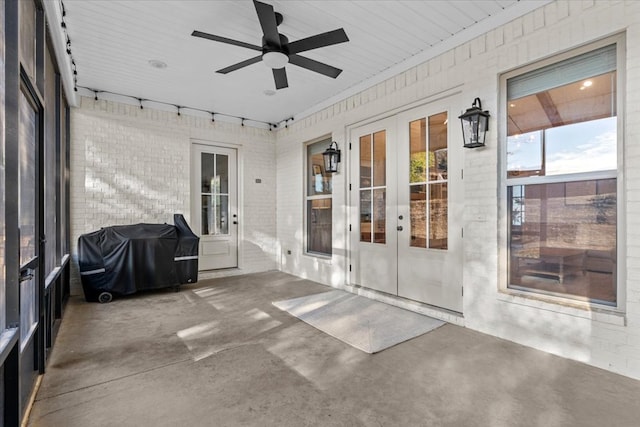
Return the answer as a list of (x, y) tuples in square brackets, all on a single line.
[(112, 43)]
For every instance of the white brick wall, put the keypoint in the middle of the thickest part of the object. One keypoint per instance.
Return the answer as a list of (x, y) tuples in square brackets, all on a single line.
[(602, 339), (130, 165)]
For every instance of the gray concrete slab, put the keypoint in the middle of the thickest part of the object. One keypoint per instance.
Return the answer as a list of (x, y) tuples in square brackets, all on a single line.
[(219, 354)]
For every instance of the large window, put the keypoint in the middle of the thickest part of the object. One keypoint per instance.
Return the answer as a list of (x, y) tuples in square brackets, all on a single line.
[(561, 167), (318, 201)]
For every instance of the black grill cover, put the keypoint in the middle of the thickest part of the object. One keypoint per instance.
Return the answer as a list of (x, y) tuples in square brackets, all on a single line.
[(123, 259)]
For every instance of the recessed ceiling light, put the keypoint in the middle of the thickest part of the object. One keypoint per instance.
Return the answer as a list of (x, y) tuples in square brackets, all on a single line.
[(587, 83), (512, 105), (155, 63), (269, 92)]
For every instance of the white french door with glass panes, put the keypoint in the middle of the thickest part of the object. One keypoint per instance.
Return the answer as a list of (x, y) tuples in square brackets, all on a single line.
[(214, 206), (406, 239)]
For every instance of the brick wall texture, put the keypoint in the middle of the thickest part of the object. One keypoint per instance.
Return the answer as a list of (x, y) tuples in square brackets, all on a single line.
[(130, 166)]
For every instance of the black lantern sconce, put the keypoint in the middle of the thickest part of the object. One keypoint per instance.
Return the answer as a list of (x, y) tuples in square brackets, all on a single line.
[(331, 158), (475, 124)]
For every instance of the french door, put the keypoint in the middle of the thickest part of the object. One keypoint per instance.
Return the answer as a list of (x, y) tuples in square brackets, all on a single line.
[(215, 206), (405, 192)]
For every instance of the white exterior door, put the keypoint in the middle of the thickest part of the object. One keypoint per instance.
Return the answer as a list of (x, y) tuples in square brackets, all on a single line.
[(214, 204), (430, 205), (406, 231), (374, 199)]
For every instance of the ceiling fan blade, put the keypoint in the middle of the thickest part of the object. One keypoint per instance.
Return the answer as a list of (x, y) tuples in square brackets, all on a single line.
[(316, 66), (319, 40), (280, 76), (239, 65), (225, 40), (267, 17)]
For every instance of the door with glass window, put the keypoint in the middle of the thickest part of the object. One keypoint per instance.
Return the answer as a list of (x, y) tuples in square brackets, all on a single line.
[(214, 206), (407, 240), (429, 209), (374, 199)]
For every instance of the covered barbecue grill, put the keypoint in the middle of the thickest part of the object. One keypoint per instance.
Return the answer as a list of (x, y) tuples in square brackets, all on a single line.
[(124, 259)]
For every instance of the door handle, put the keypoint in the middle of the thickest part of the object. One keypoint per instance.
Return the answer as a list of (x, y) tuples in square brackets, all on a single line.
[(399, 228)]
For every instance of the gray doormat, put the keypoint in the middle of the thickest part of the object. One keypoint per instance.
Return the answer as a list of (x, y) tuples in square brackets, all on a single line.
[(368, 325)]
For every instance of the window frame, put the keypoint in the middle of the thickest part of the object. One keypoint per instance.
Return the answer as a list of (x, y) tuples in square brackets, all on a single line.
[(306, 198), (505, 182)]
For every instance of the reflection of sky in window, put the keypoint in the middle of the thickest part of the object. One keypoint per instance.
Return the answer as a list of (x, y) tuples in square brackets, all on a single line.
[(582, 147), (524, 152)]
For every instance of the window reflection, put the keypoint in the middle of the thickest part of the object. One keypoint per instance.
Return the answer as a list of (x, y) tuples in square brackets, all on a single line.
[(563, 238), (373, 180), (428, 173), (214, 172), (319, 219)]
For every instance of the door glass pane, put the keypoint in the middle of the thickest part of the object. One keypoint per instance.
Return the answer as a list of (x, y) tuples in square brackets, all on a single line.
[(207, 172), (418, 153), (379, 158), (207, 215), (365, 215), (365, 161), (222, 173), (379, 215), (438, 219), (418, 212), (563, 239), (438, 147), (222, 215)]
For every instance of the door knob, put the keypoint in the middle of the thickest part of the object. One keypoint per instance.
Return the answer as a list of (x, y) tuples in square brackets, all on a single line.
[(399, 228)]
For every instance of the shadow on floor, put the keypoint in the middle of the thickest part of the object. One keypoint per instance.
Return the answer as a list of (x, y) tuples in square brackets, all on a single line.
[(218, 353)]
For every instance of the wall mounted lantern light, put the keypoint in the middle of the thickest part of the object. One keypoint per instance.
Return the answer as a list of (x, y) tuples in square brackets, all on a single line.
[(331, 158), (475, 124)]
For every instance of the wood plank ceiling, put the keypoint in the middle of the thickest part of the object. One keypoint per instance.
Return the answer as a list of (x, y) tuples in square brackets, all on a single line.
[(113, 42)]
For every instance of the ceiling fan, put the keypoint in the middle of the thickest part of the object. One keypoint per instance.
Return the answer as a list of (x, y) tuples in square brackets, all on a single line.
[(276, 49)]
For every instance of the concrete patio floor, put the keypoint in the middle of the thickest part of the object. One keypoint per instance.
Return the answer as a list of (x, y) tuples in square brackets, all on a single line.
[(218, 353)]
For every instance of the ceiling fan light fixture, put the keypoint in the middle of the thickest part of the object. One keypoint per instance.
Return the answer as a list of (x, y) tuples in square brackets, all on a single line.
[(275, 60)]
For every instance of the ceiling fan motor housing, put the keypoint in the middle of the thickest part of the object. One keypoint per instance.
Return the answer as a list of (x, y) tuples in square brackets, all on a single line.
[(284, 45)]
